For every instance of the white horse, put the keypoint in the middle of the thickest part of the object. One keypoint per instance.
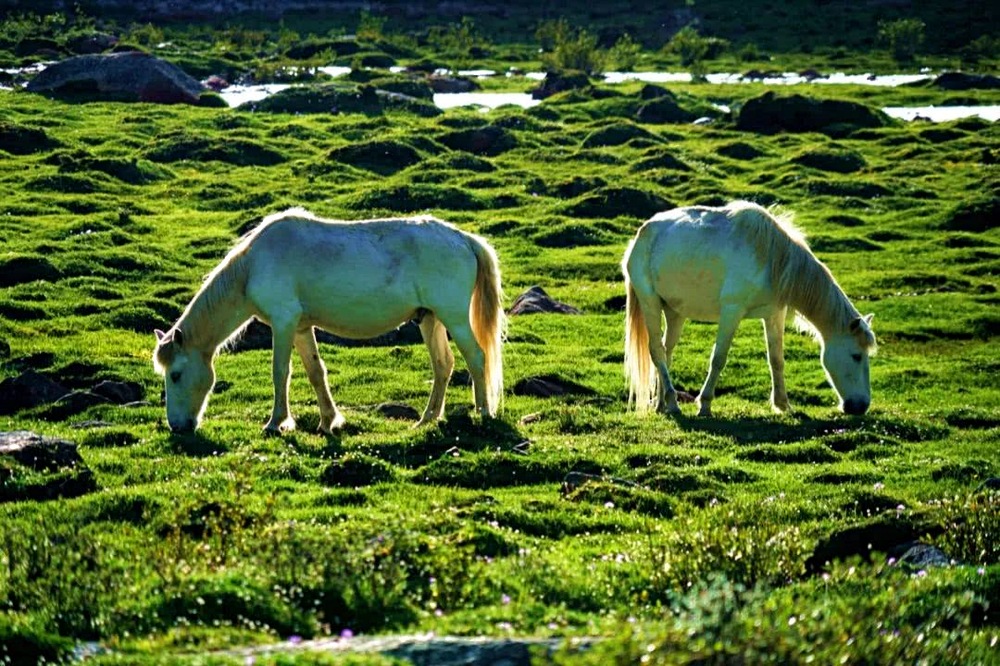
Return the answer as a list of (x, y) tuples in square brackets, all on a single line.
[(355, 279), (724, 265)]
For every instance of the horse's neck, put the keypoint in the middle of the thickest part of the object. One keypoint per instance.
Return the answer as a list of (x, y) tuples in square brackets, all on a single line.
[(822, 302), (217, 310)]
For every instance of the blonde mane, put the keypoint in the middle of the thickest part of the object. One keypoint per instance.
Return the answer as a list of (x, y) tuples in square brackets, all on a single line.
[(799, 279)]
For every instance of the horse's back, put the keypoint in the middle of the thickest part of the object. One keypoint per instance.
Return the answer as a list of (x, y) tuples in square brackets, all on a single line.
[(698, 259), (360, 278)]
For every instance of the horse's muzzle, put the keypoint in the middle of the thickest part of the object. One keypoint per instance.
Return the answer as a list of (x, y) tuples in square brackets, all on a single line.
[(855, 406)]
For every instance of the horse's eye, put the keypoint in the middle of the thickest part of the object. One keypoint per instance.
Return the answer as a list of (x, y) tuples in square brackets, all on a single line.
[(856, 357), (175, 376)]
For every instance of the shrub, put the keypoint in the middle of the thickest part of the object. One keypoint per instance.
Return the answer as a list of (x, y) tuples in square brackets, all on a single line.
[(567, 48), (624, 55), (903, 36)]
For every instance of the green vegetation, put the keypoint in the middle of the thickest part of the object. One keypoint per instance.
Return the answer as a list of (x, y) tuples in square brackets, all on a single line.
[(674, 540)]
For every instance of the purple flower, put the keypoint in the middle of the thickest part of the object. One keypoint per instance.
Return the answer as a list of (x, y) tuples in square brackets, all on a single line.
[(294, 640), (346, 633), (505, 599)]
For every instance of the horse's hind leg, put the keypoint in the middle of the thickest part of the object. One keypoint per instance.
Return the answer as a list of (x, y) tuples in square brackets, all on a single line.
[(330, 418), (442, 363), (774, 334), (474, 357), (660, 350)]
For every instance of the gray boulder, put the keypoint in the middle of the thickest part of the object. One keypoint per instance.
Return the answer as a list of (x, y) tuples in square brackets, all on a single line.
[(27, 390), (35, 467), (537, 301), (128, 76)]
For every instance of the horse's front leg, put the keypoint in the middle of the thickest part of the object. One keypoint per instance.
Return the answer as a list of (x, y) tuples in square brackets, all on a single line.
[(774, 334), (330, 418), (729, 321), (282, 335)]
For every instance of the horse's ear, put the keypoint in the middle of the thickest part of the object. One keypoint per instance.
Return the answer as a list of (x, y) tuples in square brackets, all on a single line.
[(868, 318), (159, 335), (856, 324), (178, 337)]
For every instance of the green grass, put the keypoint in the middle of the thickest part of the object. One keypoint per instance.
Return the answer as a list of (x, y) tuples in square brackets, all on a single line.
[(692, 542)]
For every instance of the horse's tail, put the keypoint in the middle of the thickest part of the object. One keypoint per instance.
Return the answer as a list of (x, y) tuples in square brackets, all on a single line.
[(642, 381), (488, 320)]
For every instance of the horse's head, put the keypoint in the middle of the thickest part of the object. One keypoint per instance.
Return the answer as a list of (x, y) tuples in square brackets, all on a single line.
[(845, 359), (189, 378)]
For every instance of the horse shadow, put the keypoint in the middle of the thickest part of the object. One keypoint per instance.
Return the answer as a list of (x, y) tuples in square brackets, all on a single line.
[(791, 428), (196, 445)]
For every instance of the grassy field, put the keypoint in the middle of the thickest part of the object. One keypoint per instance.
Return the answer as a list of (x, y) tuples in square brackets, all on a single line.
[(691, 540)]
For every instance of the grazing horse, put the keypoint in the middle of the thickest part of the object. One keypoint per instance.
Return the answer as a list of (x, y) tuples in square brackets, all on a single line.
[(724, 265), (358, 280)]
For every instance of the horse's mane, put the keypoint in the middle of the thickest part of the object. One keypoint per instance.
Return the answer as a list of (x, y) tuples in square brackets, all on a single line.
[(799, 279)]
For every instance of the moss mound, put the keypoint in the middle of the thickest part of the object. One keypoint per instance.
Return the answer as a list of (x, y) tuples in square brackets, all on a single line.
[(571, 235), (617, 134), (419, 197), (338, 98), (615, 201), (239, 152), (356, 470), (977, 215), (382, 157), (740, 150), (21, 269), (770, 113), (489, 140), (18, 139), (133, 171), (836, 160)]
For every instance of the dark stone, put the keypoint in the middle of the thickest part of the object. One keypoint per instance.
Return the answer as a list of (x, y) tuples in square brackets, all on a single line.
[(37, 46), (557, 82), (19, 270), (119, 392), (37, 452), (966, 81), (770, 113), (451, 84), (95, 42), (990, 484), (536, 301), (489, 140), (549, 386), (72, 404), (881, 536), (916, 555), (398, 410), (336, 98), (27, 390), (130, 76), (615, 303)]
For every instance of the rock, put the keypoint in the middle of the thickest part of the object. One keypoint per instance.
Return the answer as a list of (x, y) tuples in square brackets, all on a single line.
[(398, 410), (536, 301), (990, 484), (37, 452), (95, 42), (27, 390), (549, 386), (664, 110), (72, 404), (770, 113), (916, 555), (120, 393), (216, 83), (881, 535), (557, 82), (966, 81), (451, 84), (56, 468), (129, 76)]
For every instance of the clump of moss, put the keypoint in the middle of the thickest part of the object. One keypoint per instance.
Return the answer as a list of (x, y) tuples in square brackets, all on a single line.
[(829, 159), (382, 157), (356, 470), (240, 152)]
